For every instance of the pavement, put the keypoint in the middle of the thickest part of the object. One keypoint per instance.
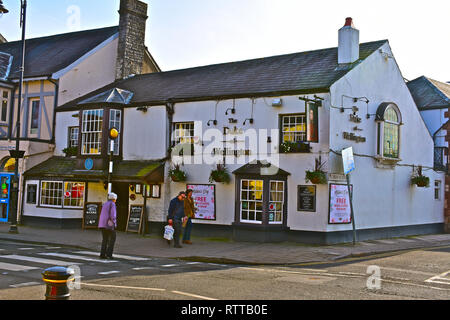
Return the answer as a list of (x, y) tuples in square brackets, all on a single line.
[(222, 250)]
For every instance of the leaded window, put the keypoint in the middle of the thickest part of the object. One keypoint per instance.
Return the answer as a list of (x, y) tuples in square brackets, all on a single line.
[(391, 134), (276, 202), (115, 121), (62, 194)]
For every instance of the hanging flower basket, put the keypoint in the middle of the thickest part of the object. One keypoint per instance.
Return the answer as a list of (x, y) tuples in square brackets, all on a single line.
[(220, 174), (176, 174), (421, 181), (316, 177)]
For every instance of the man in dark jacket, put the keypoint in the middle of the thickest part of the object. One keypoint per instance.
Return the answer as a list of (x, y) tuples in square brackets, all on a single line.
[(176, 214)]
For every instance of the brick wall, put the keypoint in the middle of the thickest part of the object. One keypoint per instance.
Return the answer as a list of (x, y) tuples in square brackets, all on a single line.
[(131, 50)]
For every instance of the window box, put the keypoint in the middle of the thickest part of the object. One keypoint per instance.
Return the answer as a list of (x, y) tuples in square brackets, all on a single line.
[(295, 147)]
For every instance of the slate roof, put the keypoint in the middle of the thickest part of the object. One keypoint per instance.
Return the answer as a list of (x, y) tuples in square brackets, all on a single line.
[(429, 94), (304, 72), (47, 55), (64, 167)]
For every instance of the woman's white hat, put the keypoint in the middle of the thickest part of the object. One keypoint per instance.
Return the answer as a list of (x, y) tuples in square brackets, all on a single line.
[(112, 196)]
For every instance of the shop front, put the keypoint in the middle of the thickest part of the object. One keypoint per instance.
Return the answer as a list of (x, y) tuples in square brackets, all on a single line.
[(60, 196)]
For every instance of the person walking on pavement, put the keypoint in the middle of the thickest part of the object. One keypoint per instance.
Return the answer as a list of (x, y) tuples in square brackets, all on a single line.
[(176, 214), (189, 211), (108, 223)]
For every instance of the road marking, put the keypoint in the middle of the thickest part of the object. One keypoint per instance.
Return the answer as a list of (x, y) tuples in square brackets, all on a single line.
[(119, 256), (193, 295), (443, 278), (52, 248), (76, 257), (26, 284), (397, 269), (40, 260), (144, 268), (169, 265), (15, 267), (120, 287), (25, 248), (108, 272), (193, 263)]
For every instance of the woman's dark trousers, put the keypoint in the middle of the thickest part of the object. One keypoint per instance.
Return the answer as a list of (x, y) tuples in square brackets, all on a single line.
[(109, 239)]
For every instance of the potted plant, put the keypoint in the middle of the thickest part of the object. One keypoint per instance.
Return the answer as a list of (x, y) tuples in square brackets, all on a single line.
[(317, 176), (290, 147), (70, 151), (419, 179), (220, 174), (176, 174)]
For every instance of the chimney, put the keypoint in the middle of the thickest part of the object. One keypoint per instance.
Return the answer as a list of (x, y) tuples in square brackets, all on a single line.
[(131, 49), (348, 50)]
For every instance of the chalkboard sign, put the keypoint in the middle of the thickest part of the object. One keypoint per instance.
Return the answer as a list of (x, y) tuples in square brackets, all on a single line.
[(306, 198), (91, 215), (135, 218)]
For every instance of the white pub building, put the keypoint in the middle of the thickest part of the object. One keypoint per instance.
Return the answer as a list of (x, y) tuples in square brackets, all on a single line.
[(277, 125)]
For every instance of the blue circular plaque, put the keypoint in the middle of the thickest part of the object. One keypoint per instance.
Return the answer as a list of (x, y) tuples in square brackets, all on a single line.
[(89, 164)]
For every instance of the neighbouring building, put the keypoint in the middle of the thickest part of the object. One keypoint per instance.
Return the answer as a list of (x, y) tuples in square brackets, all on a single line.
[(268, 121), (432, 98), (58, 69)]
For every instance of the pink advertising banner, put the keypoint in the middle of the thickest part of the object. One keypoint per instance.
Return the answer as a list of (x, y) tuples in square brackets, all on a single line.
[(339, 210), (205, 200)]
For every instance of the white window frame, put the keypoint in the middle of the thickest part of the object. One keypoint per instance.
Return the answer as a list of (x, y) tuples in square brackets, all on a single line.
[(437, 188), (66, 183), (179, 136), (52, 194), (248, 200), (302, 134), (91, 131), (277, 201), (71, 134)]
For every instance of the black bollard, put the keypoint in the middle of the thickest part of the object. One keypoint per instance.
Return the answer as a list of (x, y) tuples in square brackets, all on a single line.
[(56, 279)]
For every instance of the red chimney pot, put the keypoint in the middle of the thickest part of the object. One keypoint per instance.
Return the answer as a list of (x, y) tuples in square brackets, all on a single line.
[(348, 22)]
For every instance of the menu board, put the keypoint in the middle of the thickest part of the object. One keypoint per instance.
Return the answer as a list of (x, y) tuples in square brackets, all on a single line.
[(135, 218), (306, 198), (204, 196), (339, 210), (91, 214)]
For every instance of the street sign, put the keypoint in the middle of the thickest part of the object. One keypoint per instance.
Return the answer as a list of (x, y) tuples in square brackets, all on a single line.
[(347, 160)]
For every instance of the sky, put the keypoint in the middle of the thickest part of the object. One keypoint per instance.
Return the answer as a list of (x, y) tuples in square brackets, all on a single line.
[(188, 33)]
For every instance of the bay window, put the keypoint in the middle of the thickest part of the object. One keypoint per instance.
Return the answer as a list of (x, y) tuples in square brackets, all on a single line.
[(61, 194)]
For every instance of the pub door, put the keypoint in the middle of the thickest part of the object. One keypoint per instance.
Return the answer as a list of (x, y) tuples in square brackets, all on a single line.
[(121, 189)]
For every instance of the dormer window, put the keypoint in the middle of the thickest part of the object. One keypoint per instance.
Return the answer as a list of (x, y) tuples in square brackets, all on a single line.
[(388, 119)]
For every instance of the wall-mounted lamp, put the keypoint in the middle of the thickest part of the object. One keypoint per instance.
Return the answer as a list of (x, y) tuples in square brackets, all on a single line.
[(269, 140), (233, 110), (213, 121), (278, 102), (143, 109), (249, 120)]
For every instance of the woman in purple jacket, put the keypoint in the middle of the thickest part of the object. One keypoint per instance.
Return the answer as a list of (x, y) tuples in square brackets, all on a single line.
[(108, 223)]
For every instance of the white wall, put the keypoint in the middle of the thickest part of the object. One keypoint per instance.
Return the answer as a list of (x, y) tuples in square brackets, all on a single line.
[(64, 120), (144, 133), (94, 72)]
